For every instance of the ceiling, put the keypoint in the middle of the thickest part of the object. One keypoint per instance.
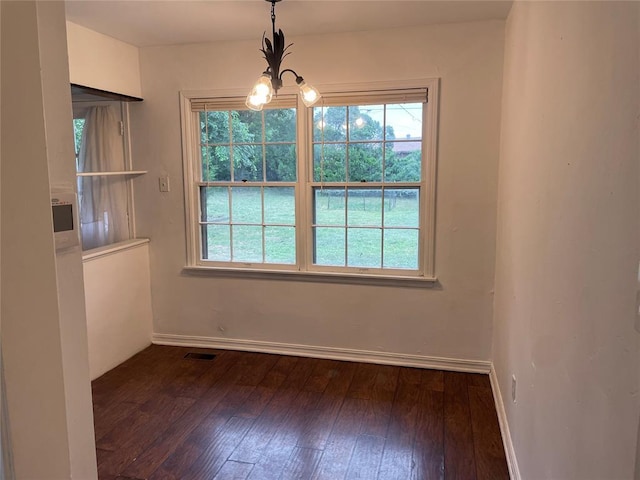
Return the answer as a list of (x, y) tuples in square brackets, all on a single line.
[(159, 22)]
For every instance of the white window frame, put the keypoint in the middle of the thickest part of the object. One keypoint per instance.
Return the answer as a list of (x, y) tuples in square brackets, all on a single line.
[(304, 269), (197, 183)]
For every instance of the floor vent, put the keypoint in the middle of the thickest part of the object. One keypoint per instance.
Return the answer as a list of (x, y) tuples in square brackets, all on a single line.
[(200, 356)]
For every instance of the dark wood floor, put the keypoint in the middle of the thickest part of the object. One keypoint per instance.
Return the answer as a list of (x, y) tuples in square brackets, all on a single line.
[(266, 417)]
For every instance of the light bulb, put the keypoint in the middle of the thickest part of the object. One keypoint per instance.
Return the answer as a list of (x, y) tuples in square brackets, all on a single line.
[(263, 86), (255, 102), (309, 94), (262, 89), (261, 93), (359, 122)]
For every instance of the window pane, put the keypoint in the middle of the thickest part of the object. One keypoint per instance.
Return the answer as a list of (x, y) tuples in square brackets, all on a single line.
[(214, 204), (329, 163), (366, 122), (364, 248), (329, 124), (404, 121), (247, 243), (329, 246), (216, 163), (217, 239), (247, 163), (281, 163), (280, 125), (78, 126), (401, 249), (280, 245), (214, 127), (329, 206), (403, 161), (279, 206), (402, 207), (247, 126), (364, 207), (365, 162), (246, 205)]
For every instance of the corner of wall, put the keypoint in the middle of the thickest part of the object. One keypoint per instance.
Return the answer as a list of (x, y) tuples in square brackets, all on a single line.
[(507, 442)]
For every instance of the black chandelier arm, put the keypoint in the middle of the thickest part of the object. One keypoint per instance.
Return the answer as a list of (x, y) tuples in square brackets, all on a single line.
[(299, 79)]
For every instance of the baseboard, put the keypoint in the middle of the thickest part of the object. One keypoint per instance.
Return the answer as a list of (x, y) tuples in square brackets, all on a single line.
[(385, 358), (512, 461)]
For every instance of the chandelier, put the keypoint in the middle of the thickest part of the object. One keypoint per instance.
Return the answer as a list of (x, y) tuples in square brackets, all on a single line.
[(271, 79)]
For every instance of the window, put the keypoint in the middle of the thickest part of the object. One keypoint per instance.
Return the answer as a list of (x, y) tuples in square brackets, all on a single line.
[(104, 185), (247, 187), (346, 187)]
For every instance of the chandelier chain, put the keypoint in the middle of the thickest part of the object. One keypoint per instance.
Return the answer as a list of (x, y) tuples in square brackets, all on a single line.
[(267, 86), (273, 17)]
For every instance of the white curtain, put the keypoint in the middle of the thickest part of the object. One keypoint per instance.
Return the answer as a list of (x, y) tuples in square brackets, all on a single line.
[(103, 199)]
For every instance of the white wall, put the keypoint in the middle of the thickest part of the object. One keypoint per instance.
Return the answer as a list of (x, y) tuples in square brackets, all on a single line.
[(454, 320), (117, 285), (567, 245), (118, 299), (102, 62), (70, 283), (46, 368)]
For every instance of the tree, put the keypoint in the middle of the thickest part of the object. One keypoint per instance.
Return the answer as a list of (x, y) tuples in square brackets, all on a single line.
[(365, 137), (243, 139), (216, 150), (403, 167), (340, 154), (280, 126)]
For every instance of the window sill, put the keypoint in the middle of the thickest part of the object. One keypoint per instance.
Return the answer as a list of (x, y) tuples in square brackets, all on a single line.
[(316, 277), (100, 252)]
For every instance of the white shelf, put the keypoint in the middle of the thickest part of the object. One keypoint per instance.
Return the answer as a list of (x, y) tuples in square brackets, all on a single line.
[(107, 174)]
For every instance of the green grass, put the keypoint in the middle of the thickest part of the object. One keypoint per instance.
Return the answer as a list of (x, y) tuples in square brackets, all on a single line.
[(361, 224)]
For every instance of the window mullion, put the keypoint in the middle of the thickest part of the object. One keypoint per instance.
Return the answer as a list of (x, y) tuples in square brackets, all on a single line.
[(304, 133), (382, 192), (264, 228), (206, 174), (382, 215), (230, 207), (231, 151)]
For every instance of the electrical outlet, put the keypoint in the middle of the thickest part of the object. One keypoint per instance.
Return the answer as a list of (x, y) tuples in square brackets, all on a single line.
[(513, 388), (164, 183)]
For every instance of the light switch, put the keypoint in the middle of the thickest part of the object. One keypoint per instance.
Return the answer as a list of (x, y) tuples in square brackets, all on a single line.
[(164, 183)]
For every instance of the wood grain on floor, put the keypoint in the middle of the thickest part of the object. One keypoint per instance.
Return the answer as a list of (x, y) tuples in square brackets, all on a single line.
[(255, 416)]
